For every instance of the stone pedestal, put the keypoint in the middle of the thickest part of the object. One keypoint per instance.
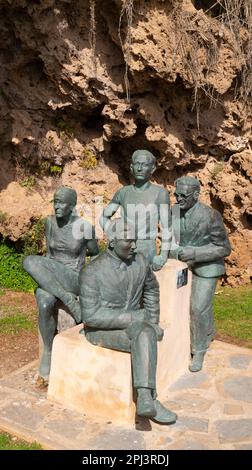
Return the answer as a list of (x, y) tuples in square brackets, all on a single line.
[(97, 381), (174, 349)]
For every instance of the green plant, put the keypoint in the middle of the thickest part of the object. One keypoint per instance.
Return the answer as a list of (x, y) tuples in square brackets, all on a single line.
[(12, 274), (217, 169), (28, 182), (8, 442), (44, 168), (34, 239), (64, 127), (55, 169), (104, 197), (64, 136), (89, 158), (102, 245), (3, 217)]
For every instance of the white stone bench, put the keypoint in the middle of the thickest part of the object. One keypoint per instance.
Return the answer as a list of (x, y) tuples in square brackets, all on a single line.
[(97, 381)]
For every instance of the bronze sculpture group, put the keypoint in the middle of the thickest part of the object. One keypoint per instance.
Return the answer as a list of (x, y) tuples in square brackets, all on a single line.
[(118, 292)]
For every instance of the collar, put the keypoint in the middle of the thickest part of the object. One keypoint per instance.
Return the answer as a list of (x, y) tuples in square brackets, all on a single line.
[(143, 188), (118, 262), (190, 211)]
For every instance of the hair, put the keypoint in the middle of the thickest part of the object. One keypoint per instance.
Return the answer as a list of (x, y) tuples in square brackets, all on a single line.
[(188, 181), (146, 153), (120, 229), (70, 193)]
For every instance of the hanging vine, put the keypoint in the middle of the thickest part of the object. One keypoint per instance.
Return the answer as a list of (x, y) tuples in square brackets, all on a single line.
[(92, 33), (126, 10)]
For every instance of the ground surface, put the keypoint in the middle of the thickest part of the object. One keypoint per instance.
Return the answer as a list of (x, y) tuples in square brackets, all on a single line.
[(214, 410), (18, 330), (214, 406)]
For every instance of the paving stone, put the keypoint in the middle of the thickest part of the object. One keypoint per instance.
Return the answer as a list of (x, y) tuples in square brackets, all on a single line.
[(244, 446), (190, 381), (234, 430), (118, 439), (68, 429), (240, 361), (28, 417), (25, 381), (231, 409), (5, 393), (239, 388), (192, 423), (189, 444), (190, 402), (160, 442)]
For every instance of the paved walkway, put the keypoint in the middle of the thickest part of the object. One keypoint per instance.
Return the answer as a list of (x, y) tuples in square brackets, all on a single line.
[(214, 408)]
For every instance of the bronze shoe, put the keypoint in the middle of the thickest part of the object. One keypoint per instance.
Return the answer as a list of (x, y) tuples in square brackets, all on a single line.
[(163, 415), (146, 407), (197, 362)]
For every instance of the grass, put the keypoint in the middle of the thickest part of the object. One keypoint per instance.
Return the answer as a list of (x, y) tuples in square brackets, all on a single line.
[(8, 442), (13, 324), (233, 313)]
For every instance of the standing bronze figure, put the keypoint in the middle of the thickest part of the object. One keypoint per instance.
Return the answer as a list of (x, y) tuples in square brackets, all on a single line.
[(203, 244)]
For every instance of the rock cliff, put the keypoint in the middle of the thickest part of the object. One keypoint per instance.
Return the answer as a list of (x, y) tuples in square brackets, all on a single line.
[(85, 83)]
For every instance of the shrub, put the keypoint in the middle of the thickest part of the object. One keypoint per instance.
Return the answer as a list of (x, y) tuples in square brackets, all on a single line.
[(34, 239), (12, 274)]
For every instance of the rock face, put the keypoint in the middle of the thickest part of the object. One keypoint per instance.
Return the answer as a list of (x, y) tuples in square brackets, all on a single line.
[(66, 119)]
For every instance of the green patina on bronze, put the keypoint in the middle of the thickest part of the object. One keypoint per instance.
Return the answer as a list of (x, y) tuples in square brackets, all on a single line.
[(203, 245), (144, 205), (57, 274), (119, 298)]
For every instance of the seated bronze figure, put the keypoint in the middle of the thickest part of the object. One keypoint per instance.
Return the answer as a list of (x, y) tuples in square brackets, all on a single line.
[(57, 274)]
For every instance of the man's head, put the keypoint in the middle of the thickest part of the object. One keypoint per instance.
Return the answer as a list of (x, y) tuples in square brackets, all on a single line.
[(143, 164), (187, 192), (122, 239), (64, 200)]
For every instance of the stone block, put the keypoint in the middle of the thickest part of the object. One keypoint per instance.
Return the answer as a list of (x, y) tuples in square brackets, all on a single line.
[(97, 381)]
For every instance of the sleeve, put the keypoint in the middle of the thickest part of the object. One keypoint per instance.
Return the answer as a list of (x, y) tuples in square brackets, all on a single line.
[(219, 245), (117, 198), (151, 299), (164, 197), (93, 313)]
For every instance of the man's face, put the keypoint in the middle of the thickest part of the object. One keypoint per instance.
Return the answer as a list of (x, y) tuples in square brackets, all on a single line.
[(124, 248), (186, 196), (142, 168), (62, 206)]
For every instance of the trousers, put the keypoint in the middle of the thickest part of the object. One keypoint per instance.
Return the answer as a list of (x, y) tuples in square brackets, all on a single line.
[(142, 345), (201, 312)]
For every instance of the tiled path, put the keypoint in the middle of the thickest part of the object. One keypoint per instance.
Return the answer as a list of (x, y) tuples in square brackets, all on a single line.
[(214, 408)]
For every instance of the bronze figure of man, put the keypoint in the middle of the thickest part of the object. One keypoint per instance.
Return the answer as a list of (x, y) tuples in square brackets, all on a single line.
[(145, 206), (119, 298), (203, 245)]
